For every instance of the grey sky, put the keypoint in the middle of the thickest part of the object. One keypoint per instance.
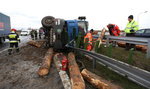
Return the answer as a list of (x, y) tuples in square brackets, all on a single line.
[(28, 13)]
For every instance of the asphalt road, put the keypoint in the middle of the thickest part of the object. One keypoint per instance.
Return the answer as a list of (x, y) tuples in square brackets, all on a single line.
[(5, 45)]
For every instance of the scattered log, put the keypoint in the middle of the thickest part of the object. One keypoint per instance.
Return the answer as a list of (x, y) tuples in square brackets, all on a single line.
[(36, 43), (101, 36), (77, 81), (93, 79), (63, 75), (121, 44), (44, 69), (144, 49)]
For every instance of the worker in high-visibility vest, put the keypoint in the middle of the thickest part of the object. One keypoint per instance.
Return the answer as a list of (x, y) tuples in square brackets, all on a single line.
[(90, 38), (13, 40), (113, 29), (131, 27)]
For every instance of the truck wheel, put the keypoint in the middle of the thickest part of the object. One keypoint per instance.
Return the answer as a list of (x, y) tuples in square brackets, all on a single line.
[(48, 21)]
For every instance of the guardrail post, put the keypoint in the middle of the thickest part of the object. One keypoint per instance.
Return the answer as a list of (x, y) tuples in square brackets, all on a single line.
[(86, 43), (130, 59), (148, 50), (110, 50), (107, 41)]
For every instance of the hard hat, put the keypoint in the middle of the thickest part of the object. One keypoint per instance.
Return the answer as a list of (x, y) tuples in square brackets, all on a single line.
[(13, 30)]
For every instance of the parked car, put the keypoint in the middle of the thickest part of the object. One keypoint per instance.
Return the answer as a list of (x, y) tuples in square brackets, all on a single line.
[(24, 33), (143, 33)]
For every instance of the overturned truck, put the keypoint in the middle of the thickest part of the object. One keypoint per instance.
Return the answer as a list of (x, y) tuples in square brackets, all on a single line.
[(59, 32)]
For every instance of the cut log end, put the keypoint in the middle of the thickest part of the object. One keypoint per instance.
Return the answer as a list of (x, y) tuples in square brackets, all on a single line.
[(43, 71)]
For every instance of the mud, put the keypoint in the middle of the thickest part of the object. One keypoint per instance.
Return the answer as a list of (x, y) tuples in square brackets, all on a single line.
[(19, 71)]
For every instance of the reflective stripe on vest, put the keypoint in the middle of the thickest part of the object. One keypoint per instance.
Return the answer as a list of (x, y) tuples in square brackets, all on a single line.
[(13, 41)]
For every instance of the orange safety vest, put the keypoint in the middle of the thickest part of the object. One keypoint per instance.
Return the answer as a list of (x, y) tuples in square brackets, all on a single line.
[(88, 35)]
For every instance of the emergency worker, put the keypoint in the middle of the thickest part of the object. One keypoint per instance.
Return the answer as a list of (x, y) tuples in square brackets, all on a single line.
[(32, 34), (13, 40), (90, 38), (131, 27), (113, 29)]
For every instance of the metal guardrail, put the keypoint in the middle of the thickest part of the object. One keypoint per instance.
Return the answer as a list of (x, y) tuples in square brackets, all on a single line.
[(132, 40), (135, 74)]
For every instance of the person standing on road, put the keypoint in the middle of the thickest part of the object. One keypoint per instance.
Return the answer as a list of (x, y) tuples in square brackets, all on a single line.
[(131, 27), (32, 34), (13, 40), (90, 38), (35, 34), (40, 32)]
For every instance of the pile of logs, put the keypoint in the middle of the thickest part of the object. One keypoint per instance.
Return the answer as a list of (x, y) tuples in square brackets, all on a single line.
[(143, 48), (75, 80)]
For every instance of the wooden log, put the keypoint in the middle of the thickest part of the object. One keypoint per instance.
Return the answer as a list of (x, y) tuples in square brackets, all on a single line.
[(121, 44), (77, 81), (101, 36), (63, 75), (44, 69), (94, 80), (36, 43), (144, 49)]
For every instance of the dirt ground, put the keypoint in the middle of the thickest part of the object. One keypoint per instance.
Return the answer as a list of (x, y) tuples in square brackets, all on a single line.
[(19, 71)]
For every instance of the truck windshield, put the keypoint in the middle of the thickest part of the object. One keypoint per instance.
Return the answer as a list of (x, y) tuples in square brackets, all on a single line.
[(83, 26)]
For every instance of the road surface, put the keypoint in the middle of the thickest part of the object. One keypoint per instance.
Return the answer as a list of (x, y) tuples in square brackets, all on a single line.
[(5, 45)]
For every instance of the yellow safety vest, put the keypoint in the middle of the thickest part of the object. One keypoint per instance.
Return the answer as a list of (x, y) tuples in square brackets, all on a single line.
[(13, 37), (133, 25)]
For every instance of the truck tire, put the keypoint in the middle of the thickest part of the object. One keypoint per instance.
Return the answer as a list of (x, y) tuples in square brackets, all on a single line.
[(48, 21)]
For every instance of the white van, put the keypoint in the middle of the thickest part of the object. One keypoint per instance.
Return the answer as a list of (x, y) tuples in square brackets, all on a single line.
[(25, 32)]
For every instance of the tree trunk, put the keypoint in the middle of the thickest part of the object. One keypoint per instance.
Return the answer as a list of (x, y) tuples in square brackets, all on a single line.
[(44, 69), (93, 79), (77, 81), (63, 75), (36, 43)]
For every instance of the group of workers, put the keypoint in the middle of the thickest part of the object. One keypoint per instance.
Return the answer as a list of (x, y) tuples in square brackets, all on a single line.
[(131, 27), (34, 33), (14, 39)]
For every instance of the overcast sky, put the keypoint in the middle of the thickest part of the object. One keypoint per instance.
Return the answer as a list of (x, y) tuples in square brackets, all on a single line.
[(28, 13)]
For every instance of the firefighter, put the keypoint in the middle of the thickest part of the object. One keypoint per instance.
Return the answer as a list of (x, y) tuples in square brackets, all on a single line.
[(131, 27), (35, 34), (113, 29), (13, 40), (90, 38), (32, 34), (40, 32)]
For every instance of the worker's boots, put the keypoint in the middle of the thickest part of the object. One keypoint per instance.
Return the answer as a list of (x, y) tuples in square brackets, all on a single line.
[(17, 50), (9, 51)]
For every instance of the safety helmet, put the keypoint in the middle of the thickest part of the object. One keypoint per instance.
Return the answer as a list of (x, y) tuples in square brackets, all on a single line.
[(13, 30)]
